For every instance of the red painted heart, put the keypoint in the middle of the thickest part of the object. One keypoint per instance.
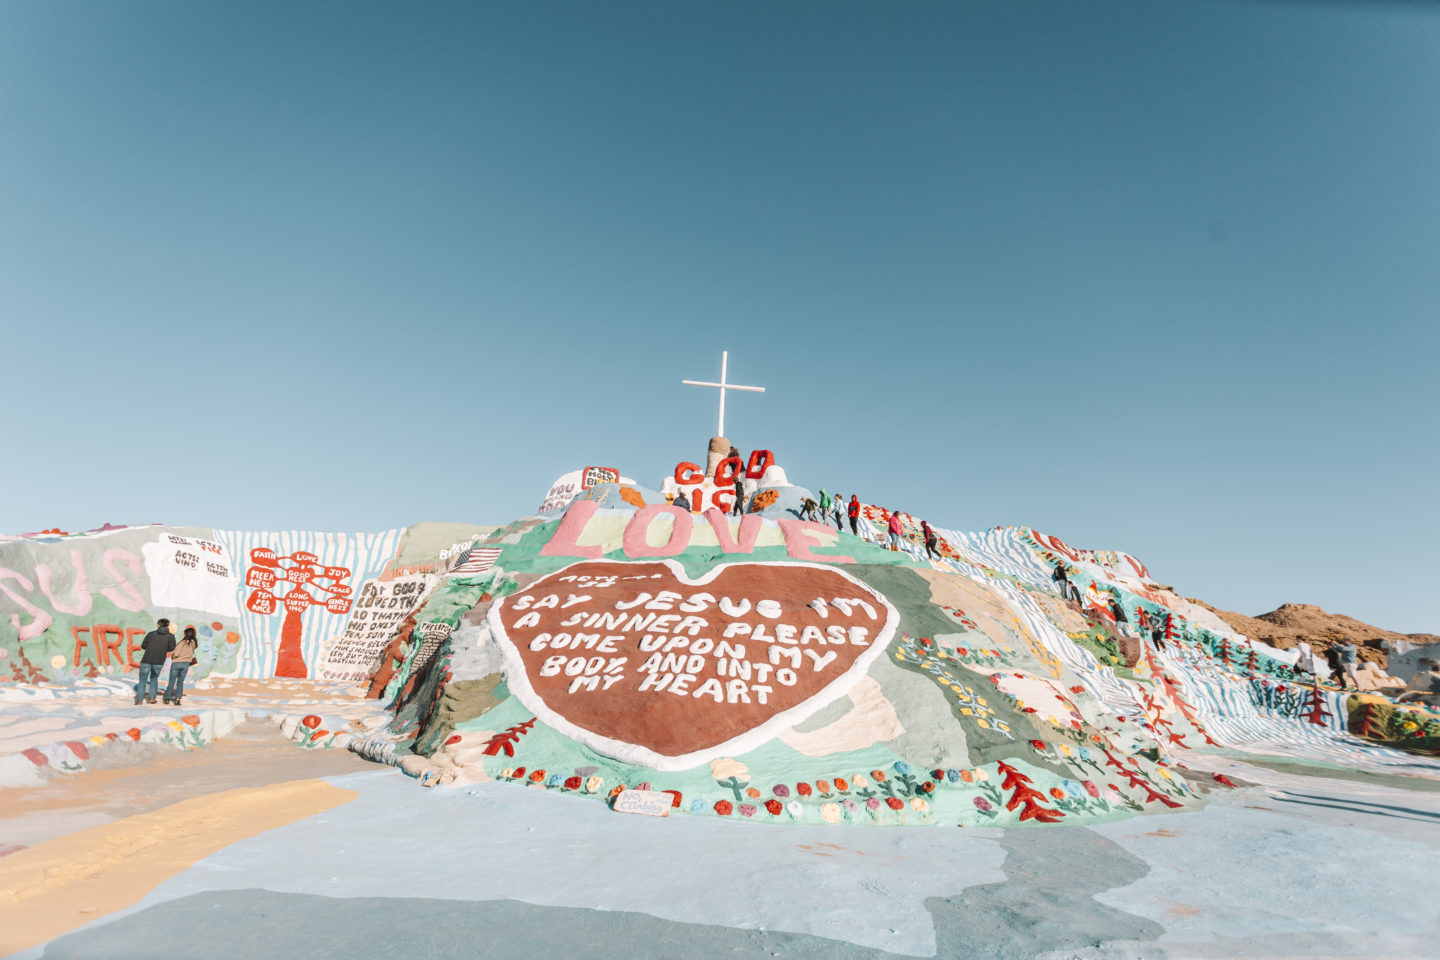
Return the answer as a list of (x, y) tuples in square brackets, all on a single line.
[(646, 666)]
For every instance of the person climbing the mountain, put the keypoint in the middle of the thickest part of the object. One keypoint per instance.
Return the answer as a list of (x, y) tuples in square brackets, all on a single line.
[(808, 507), (157, 644), (1158, 628), (739, 508), (931, 541), (1122, 622), (1337, 669), (182, 658), (1061, 576), (824, 514), (1350, 661), (893, 525), (839, 506), (854, 511)]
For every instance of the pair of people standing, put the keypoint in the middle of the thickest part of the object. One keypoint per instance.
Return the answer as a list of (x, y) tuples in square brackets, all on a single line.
[(159, 643)]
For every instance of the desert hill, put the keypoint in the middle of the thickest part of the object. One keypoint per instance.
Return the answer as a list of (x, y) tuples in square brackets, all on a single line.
[(1287, 625)]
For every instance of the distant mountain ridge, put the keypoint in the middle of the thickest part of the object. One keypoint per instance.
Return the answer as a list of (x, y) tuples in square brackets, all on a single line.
[(1290, 623)]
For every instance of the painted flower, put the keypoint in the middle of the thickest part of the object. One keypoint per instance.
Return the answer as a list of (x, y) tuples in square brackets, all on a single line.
[(830, 812), (723, 807), (616, 790), (780, 790), (937, 774), (980, 775), (1038, 745), (859, 782), (774, 806), (454, 740), (902, 767), (840, 785), (752, 793), (1090, 788), (878, 776), (1057, 793), (747, 809), (822, 785), (955, 776), (190, 720), (983, 804), (796, 809), (572, 783), (804, 789), (894, 803), (593, 784), (873, 804), (537, 775), (727, 767), (310, 722), (850, 805), (675, 798), (920, 804), (698, 804)]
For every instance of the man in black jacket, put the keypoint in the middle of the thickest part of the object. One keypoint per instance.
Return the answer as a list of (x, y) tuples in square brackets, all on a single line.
[(157, 644)]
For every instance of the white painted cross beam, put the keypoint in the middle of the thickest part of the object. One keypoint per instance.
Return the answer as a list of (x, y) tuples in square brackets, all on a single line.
[(722, 386)]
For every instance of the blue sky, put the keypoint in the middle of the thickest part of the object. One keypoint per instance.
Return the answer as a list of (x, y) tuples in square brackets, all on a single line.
[(1156, 276)]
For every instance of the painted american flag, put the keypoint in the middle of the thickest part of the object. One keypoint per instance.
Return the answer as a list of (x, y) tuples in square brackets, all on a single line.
[(474, 561)]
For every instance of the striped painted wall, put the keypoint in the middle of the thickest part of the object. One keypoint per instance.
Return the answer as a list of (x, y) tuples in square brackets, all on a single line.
[(364, 554)]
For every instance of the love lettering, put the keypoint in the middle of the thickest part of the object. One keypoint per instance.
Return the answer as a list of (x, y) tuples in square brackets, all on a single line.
[(801, 536)]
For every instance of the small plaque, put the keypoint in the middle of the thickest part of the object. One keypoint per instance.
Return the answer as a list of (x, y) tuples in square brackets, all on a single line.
[(651, 803)]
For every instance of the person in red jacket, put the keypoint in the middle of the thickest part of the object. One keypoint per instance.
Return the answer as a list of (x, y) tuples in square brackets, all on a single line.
[(854, 511)]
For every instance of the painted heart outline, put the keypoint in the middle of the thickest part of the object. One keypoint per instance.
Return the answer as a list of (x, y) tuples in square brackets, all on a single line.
[(655, 728)]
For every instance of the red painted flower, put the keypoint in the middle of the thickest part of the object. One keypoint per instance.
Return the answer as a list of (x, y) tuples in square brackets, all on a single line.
[(877, 775), (572, 783), (518, 773), (927, 787), (803, 789), (723, 807), (190, 720), (537, 775), (841, 785), (894, 803), (1057, 793), (752, 793), (774, 806), (1090, 788), (310, 722), (133, 733), (937, 774), (454, 740), (1038, 744), (675, 797)]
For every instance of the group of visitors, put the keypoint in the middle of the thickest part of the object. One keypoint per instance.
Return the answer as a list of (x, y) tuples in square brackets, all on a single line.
[(157, 645), (832, 509)]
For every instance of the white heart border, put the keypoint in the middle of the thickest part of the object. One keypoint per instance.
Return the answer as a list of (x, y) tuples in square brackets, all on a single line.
[(518, 678)]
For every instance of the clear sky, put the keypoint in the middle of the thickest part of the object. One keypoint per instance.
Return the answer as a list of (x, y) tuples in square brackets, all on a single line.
[(1156, 276)]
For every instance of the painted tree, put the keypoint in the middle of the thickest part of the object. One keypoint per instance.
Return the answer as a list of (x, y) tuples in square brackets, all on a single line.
[(1315, 710), (1025, 796), (295, 582)]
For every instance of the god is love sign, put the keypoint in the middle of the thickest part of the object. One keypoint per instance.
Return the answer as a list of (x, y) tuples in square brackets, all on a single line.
[(640, 663)]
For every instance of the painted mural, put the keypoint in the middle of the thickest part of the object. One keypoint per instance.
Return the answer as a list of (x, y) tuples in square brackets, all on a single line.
[(750, 653)]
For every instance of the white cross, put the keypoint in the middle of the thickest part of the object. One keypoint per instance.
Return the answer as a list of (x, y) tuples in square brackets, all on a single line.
[(722, 386)]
